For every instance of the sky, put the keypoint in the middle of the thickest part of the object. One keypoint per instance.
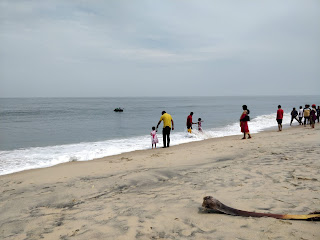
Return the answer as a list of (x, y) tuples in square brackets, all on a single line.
[(120, 48)]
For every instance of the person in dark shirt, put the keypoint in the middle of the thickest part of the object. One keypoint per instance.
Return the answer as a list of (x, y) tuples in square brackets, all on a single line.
[(294, 114), (318, 113)]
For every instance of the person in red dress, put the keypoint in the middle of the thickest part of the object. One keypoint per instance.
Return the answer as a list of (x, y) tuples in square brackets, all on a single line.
[(279, 117), (244, 122)]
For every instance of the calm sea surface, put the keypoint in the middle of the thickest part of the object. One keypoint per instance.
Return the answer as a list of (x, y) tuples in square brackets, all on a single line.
[(40, 132)]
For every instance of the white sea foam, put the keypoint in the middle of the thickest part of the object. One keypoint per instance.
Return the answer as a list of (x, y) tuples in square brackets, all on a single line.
[(39, 157)]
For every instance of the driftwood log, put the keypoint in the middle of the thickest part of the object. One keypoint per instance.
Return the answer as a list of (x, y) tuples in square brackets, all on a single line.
[(214, 204)]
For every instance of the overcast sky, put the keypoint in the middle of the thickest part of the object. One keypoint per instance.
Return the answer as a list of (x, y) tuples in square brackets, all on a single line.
[(159, 48)]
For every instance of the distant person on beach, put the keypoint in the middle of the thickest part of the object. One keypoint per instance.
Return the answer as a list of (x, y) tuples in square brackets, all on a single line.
[(279, 117), (199, 125), (189, 122), (313, 115), (306, 114), (294, 115), (318, 113), (244, 118), (300, 115), (154, 138), (167, 121)]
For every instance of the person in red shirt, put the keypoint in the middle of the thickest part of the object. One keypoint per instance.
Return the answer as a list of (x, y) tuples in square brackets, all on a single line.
[(189, 122), (279, 117)]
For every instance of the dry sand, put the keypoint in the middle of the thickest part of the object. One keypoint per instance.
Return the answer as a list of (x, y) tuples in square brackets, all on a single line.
[(157, 194)]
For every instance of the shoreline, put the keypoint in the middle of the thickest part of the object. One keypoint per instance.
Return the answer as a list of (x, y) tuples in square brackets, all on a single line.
[(285, 126), (267, 130), (233, 137), (157, 193)]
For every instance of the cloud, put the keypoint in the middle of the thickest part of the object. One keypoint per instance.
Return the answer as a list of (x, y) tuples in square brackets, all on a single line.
[(62, 43)]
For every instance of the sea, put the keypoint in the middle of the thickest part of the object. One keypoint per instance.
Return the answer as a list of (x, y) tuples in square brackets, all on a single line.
[(42, 132)]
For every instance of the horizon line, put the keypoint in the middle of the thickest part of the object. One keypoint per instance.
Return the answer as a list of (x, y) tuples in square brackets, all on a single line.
[(265, 95)]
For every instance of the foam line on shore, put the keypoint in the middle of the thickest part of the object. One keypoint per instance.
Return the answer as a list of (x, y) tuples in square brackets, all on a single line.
[(40, 157)]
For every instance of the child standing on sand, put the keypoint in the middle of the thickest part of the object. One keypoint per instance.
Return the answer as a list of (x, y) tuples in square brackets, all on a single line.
[(154, 138), (199, 124)]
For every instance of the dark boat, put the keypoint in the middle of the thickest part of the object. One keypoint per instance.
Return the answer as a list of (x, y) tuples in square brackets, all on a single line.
[(118, 110)]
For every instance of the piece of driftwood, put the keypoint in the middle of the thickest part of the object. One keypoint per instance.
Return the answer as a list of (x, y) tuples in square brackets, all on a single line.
[(214, 204)]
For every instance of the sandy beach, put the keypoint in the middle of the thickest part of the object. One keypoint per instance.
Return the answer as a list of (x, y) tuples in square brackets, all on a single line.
[(157, 194)]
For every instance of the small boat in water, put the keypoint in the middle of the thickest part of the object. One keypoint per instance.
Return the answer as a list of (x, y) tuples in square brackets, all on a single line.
[(118, 109)]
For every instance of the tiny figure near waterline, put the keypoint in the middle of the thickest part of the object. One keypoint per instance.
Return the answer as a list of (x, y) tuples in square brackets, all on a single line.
[(313, 115), (279, 117), (306, 114), (199, 125), (244, 122), (189, 122), (154, 138), (294, 114), (300, 115)]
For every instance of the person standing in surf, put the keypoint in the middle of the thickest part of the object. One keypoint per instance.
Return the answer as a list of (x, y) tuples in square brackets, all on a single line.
[(189, 122), (244, 118), (167, 121), (279, 117), (200, 125)]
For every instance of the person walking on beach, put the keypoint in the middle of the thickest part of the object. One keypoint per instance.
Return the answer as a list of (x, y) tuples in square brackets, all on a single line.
[(300, 115), (189, 122), (318, 113), (199, 125), (306, 114), (167, 121), (313, 115), (279, 117), (154, 138), (244, 118), (294, 115)]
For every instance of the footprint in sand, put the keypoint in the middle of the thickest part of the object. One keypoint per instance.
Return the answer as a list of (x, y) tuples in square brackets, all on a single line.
[(127, 159)]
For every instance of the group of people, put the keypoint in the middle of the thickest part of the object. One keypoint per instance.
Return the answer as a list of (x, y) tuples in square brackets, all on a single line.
[(190, 123), (168, 124), (310, 115)]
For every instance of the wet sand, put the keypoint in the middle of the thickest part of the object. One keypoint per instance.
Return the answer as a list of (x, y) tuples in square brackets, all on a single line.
[(157, 194)]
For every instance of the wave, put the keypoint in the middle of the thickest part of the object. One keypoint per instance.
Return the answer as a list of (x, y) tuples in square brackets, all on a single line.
[(40, 157)]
